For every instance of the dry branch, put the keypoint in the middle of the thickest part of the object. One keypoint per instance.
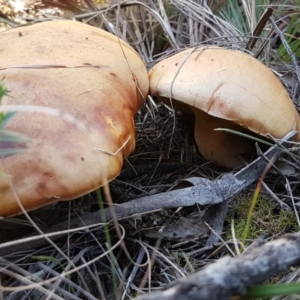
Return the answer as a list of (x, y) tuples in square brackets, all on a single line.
[(206, 192), (231, 276)]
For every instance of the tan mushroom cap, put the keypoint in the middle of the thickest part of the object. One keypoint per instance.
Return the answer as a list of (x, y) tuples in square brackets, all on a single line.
[(221, 84), (80, 70)]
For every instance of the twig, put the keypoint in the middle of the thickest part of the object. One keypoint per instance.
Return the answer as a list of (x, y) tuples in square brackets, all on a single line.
[(259, 28), (231, 276)]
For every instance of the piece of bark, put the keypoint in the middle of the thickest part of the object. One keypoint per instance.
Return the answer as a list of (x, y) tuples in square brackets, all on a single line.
[(232, 276), (206, 192), (184, 229), (218, 223)]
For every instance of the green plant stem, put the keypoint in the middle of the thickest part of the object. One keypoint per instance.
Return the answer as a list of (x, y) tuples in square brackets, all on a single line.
[(108, 240), (272, 290)]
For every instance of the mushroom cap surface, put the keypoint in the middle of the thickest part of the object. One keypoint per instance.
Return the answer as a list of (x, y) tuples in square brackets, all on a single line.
[(79, 70), (226, 84)]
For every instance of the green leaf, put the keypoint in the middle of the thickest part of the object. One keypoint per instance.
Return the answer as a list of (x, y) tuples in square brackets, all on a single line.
[(272, 290)]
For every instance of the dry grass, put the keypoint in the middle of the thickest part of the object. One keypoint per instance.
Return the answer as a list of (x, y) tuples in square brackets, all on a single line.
[(116, 261)]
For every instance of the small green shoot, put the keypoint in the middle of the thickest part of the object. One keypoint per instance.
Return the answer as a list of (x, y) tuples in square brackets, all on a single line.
[(243, 17), (292, 37), (108, 240), (273, 290), (254, 201), (251, 210), (4, 117), (8, 137)]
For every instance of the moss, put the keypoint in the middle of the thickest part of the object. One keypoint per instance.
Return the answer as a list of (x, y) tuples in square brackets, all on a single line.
[(268, 218)]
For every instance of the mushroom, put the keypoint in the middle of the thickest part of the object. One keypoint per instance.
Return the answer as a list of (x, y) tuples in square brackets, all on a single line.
[(225, 88), (81, 71)]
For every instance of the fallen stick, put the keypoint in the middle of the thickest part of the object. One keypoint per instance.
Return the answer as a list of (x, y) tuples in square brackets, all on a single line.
[(232, 276), (205, 192)]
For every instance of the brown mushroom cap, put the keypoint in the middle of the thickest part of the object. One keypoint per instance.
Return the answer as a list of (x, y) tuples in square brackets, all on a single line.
[(220, 84), (80, 70)]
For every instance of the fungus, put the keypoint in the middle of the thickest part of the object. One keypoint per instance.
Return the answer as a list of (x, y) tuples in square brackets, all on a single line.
[(225, 88), (79, 70)]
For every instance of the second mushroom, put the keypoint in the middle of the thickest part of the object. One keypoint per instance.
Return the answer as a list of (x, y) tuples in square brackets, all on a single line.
[(225, 88)]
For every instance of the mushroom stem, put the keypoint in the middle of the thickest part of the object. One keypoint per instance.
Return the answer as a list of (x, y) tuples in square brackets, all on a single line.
[(224, 148)]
